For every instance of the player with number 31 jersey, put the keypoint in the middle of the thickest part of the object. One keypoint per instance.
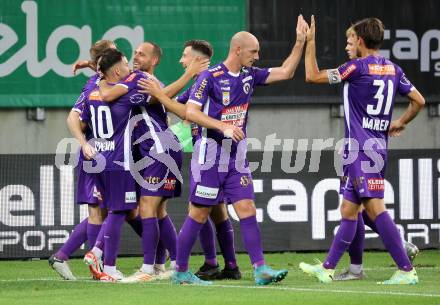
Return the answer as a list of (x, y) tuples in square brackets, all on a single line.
[(371, 83)]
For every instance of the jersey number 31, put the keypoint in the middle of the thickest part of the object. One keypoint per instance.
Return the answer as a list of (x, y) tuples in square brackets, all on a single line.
[(371, 109)]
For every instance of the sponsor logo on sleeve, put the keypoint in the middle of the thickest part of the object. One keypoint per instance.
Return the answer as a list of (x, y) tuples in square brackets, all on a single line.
[(94, 96), (130, 78), (206, 192), (348, 71), (218, 73)]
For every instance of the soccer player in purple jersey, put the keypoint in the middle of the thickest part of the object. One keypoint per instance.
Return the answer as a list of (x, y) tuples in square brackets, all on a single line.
[(370, 85), (219, 215), (162, 184), (219, 103), (86, 192), (111, 128), (146, 57), (356, 248)]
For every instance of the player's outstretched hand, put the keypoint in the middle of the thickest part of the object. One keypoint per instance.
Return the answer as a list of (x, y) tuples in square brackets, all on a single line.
[(311, 30), (396, 128), (301, 29), (150, 86), (197, 66), (233, 132), (88, 151), (80, 64)]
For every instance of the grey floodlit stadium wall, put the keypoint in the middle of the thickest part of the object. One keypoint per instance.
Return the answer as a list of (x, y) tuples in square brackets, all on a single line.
[(297, 208), (412, 40)]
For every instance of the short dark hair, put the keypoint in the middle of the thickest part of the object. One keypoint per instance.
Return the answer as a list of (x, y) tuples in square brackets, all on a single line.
[(108, 59), (157, 50), (371, 30), (99, 47), (201, 46)]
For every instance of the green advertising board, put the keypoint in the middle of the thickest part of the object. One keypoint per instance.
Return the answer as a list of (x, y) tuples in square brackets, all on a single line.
[(40, 40)]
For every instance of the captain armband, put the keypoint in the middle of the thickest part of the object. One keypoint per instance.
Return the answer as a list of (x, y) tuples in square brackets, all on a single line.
[(334, 77)]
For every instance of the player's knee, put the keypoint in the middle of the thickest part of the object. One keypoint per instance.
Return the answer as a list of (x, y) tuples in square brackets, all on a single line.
[(349, 211), (374, 207), (245, 209), (95, 215), (199, 213)]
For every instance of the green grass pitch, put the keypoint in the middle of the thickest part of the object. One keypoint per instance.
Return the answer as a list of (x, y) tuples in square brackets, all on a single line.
[(34, 283)]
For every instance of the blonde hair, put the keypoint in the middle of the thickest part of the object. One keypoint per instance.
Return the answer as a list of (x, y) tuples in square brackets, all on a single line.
[(98, 48), (350, 31)]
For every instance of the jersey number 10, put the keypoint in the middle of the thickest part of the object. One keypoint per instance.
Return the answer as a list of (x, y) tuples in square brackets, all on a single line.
[(101, 115)]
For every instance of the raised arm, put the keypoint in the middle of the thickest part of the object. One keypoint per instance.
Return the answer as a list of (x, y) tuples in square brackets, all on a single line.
[(197, 66), (288, 68), (313, 74), (416, 103), (82, 64)]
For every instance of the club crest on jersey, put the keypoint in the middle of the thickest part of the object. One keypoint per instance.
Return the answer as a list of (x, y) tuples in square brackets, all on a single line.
[(246, 88), (226, 98), (245, 181), (137, 98)]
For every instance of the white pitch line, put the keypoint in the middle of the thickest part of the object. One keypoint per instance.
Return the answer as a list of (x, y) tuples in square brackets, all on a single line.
[(331, 290), (389, 293)]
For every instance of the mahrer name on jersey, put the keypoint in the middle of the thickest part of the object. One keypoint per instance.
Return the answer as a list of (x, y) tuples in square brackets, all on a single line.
[(375, 124)]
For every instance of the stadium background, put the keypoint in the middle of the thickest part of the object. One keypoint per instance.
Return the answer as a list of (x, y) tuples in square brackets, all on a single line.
[(298, 209)]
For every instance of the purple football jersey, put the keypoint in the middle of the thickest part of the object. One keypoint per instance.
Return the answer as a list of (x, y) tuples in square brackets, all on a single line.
[(225, 96), (91, 84), (183, 99), (154, 121), (370, 87), (110, 123)]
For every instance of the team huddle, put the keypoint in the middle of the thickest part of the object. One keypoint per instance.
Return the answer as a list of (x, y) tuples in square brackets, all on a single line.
[(130, 160)]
